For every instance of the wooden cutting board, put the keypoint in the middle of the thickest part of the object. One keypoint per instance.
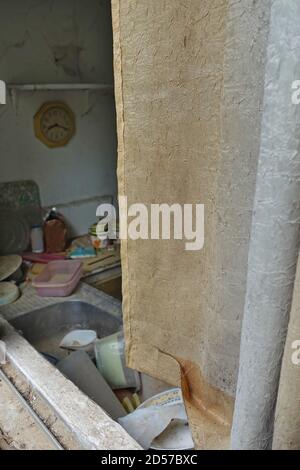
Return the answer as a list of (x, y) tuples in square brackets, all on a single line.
[(100, 261)]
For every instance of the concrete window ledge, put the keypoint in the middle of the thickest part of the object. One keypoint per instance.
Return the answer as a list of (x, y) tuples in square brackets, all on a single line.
[(88, 426)]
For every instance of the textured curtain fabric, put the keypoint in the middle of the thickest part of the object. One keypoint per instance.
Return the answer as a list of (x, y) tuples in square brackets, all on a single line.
[(190, 86)]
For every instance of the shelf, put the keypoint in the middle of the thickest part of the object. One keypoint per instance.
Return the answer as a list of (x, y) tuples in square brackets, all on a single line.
[(60, 86), (15, 89)]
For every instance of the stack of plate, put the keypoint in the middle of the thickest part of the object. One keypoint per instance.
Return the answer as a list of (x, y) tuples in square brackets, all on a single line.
[(10, 268), (9, 292)]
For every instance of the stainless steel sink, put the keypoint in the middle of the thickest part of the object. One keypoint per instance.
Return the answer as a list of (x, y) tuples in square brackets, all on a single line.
[(44, 328)]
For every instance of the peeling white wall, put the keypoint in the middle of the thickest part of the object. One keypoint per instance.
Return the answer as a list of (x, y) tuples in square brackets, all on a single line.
[(59, 41)]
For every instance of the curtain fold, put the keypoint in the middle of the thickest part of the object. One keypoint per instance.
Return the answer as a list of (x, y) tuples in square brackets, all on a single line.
[(287, 417)]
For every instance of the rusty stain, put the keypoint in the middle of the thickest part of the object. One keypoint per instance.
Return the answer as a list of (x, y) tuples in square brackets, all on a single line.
[(203, 397)]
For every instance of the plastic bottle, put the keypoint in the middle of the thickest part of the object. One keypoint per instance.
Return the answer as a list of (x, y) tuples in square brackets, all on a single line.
[(37, 239)]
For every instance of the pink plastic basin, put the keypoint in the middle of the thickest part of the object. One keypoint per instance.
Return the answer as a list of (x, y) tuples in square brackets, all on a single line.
[(58, 279)]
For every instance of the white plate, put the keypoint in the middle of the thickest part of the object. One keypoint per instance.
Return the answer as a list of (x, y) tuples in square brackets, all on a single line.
[(9, 292), (78, 339), (9, 265), (177, 436)]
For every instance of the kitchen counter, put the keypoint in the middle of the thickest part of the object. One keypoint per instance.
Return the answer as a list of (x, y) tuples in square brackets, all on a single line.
[(29, 301)]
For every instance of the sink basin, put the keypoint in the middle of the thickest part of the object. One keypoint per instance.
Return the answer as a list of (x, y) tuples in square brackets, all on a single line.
[(45, 328)]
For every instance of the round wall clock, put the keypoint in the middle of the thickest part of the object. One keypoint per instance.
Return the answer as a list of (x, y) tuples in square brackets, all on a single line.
[(54, 124)]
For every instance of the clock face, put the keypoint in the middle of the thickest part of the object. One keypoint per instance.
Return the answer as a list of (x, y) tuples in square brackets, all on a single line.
[(55, 124)]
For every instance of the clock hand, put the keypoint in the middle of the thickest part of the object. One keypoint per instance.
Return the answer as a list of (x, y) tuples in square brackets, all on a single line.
[(52, 127), (63, 127), (59, 126)]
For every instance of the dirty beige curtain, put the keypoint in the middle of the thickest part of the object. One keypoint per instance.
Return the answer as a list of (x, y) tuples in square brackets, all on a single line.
[(190, 83)]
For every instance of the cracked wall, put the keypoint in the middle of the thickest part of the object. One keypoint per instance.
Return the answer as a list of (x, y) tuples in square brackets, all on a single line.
[(59, 41)]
